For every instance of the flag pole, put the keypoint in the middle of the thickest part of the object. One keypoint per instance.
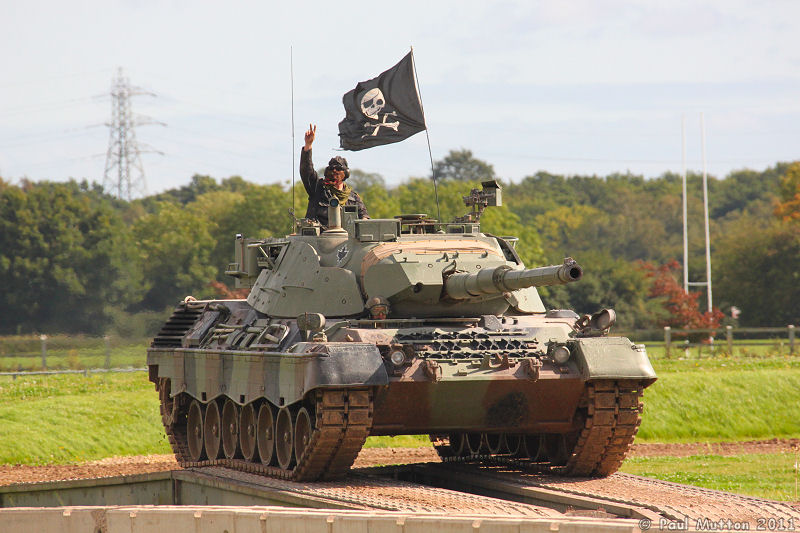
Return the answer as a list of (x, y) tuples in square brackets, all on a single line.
[(427, 136)]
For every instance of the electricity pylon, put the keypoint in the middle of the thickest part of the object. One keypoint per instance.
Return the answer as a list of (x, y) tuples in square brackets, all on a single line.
[(124, 153)]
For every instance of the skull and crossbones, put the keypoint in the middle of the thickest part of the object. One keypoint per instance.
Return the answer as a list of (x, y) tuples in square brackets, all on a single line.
[(371, 105)]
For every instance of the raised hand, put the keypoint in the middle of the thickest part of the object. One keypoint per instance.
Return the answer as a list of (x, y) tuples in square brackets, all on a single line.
[(309, 137)]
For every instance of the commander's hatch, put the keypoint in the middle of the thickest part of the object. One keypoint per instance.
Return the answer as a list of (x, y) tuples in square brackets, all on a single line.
[(270, 254)]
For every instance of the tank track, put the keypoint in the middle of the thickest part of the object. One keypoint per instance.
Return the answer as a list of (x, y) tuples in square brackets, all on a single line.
[(342, 424), (611, 420)]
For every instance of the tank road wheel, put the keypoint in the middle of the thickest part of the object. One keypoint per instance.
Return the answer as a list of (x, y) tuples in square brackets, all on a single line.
[(169, 404), (448, 444), (458, 444), (230, 429), (494, 442), (302, 433), (556, 449), (211, 431), (283, 438), (247, 432), (533, 448), (474, 443), (265, 434), (513, 443), (194, 431)]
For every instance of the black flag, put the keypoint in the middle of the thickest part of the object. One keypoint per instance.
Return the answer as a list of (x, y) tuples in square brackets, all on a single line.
[(382, 110)]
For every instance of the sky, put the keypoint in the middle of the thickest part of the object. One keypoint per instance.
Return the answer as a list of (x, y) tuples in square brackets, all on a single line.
[(579, 87)]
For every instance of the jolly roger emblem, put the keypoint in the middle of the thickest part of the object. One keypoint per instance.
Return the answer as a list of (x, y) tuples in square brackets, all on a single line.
[(372, 103), (342, 253), (376, 108)]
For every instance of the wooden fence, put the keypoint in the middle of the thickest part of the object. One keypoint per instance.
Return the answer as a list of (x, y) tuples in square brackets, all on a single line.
[(79, 354), (726, 338), (67, 354)]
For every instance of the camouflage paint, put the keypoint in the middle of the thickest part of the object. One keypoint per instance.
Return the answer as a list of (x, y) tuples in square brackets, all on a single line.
[(282, 378)]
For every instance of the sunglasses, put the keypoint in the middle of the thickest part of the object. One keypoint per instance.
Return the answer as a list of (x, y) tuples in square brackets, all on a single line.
[(336, 167)]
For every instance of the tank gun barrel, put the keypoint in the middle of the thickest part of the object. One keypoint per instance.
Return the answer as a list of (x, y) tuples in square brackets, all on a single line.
[(463, 286)]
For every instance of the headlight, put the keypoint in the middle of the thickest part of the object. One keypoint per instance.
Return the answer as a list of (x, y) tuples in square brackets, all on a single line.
[(561, 355), (397, 358)]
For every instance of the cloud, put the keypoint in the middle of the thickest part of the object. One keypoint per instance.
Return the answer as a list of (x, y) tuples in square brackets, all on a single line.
[(499, 78)]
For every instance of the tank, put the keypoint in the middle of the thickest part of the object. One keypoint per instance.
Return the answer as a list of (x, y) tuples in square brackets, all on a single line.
[(389, 327)]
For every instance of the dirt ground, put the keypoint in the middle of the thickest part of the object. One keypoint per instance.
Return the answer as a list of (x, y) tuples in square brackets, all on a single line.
[(117, 466), (715, 448)]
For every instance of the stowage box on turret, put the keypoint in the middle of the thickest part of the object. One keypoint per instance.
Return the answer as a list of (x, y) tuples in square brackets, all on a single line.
[(387, 327)]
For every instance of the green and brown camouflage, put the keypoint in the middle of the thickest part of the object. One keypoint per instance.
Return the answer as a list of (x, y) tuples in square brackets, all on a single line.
[(394, 326)]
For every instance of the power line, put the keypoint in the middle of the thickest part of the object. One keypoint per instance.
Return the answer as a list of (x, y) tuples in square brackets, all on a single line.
[(237, 143), (48, 79), (123, 150), (210, 148), (43, 138), (46, 106)]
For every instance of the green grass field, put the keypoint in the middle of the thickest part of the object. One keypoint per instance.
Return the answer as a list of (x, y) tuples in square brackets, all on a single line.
[(722, 398), (74, 418), (771, 476)]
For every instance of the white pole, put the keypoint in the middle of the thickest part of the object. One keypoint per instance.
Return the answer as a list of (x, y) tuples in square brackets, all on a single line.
[(291, 78), (685, 216), (705, 211)]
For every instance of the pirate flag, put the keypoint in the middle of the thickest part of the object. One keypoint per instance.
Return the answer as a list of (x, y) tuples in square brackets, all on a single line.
[(382, 110)]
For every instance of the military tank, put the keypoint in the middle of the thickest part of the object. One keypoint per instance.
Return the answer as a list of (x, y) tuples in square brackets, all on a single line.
[(387, 327)]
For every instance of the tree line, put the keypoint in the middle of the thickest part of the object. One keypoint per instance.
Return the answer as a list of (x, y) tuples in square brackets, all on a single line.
[(75, 259)]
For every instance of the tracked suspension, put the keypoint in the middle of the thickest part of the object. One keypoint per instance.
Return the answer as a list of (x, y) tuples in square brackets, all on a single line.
[(610, 422), (324, 442), (321, 446)]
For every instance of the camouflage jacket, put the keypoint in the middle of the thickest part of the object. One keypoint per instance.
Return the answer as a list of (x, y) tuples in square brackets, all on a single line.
[(319, 196)]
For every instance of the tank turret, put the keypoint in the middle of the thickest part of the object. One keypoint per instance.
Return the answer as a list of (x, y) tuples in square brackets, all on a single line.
[(418, 266)]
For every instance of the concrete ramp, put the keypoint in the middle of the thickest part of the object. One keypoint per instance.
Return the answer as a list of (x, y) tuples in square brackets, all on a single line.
[(181, 519)]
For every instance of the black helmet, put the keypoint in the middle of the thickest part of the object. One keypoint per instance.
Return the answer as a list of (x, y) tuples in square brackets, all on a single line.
[(337, 163)]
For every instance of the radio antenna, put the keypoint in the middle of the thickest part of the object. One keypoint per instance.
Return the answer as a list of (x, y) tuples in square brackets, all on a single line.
[(427, 136)]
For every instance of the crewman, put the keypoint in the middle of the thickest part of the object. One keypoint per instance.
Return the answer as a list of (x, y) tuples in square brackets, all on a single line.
[(321, 191)]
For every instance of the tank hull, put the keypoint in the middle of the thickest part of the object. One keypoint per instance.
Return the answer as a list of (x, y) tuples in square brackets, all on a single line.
[(492, 379), (415, 403), (491, 403)]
